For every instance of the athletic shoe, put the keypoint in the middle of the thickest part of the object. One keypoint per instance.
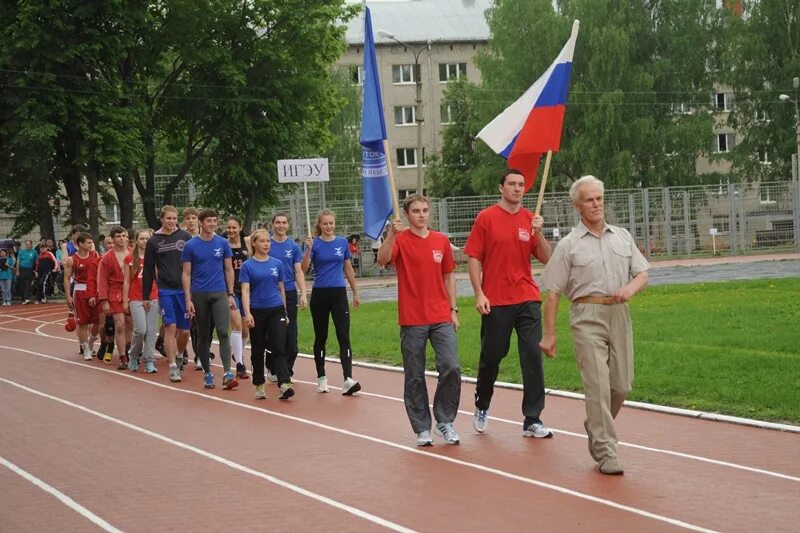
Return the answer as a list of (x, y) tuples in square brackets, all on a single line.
[(480, 420), (123, 363), (160, 346), (350, 387), (86, 351), (174, 374), (37, 302), (272, 378), (26, 302), (150, 368), (208, 381), (44, 300), (261, 393), (180, 360), (197, 364), (133, 364), (611, 467), (92, 340), (229, 381), (211, 355), (424, 438), (537, 430), (322, 384), (241, 371), (108, 355), (287, 391), (447, 432)]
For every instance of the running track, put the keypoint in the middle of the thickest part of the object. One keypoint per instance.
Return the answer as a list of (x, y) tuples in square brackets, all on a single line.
[(84, 447)]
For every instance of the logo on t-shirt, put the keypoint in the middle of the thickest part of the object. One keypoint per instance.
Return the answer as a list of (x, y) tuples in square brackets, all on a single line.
[(437, 256), (524, 234), (274, 272), (287, 254), (217, 252), (338, 252), (179, 245)]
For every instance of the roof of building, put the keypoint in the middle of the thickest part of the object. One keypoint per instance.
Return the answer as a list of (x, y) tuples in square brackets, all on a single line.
[(415, 21)]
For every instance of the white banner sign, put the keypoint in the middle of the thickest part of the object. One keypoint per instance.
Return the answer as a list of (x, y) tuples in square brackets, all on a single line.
[(300, 170), (712, 231)]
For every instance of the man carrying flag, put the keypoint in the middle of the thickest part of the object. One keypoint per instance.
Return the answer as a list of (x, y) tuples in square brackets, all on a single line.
[(378, 191), (532, 125)]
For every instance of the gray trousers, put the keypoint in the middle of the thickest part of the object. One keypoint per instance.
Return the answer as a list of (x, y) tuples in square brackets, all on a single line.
[(448, 389), (208, 305), (145, 329)]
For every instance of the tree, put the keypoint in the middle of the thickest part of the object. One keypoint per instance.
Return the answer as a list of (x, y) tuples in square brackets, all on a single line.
[(764, 47)]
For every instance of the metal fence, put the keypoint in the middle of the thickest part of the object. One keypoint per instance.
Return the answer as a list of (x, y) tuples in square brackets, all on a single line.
[(728, 219), (666, 222)]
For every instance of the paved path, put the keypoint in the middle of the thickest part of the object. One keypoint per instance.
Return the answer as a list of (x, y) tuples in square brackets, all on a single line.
[(382, 288)]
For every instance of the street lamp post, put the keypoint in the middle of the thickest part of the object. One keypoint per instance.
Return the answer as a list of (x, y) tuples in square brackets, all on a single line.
[(418, 108), (796, 166)]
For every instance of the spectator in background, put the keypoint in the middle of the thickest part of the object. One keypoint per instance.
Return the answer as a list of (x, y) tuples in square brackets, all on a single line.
[(46, 268), (26, 262), (6, 275)]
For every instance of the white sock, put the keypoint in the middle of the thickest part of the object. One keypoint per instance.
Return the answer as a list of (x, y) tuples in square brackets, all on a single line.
[(236, 346)]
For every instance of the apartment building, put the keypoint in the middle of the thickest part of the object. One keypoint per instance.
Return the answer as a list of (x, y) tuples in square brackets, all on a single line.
[(441, 37)]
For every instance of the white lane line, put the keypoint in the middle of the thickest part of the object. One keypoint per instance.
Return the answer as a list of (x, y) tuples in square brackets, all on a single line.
[(217, 458), (641, 447), (60, 496), (376, 440)]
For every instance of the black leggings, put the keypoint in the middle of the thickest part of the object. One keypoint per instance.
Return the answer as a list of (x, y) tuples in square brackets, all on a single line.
[(325, 302), (269, 333)]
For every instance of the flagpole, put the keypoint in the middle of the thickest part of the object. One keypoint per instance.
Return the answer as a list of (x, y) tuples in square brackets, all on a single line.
[(540, 200), (395, 203), (308, 215)]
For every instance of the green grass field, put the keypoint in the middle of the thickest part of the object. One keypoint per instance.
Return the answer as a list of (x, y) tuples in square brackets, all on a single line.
[(726, 347)]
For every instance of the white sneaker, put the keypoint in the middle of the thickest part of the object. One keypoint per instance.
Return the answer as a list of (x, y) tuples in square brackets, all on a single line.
[(272, 378), (350, 387), (322, 384), (87, 352), (480, 420), (447, 432), (537, 430), (424, 438), (198, 365)]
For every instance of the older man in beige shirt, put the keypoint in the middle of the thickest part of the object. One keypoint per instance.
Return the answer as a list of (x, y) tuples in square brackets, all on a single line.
[(599, 268)]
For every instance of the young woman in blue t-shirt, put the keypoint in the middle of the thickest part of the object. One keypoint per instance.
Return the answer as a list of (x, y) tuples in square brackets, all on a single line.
[(264, 301), (330, 256)]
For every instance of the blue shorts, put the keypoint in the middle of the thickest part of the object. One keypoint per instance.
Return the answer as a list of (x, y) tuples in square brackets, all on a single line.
[(173, 310), (238, 299)]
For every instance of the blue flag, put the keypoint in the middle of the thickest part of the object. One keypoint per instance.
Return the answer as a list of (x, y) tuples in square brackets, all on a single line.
[(374, 170)]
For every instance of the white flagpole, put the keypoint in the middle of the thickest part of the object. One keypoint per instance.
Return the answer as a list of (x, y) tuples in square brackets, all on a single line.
[(308, 215)]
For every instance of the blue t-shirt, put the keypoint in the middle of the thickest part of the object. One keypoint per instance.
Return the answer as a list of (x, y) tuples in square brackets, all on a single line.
[(208, 263), (71, 249), (328, 260), (27, 258), (263, 277), (289, 253), (8, 271)]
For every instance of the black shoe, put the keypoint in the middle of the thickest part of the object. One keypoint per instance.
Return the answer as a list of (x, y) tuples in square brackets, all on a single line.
[(160, 346), (241, 371)]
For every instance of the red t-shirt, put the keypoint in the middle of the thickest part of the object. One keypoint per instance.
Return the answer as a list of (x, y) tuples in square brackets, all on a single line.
[(420, 264), (84, 271), (504, 244), (135, 287)]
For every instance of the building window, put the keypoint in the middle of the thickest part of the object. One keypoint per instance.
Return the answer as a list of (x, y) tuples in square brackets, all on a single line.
[(763, 156), (356, 74), (402, 73), (724, 101), (406, 157), (682, 108), (447, 114), (762, 115), (722, 223), (725, 142), (112, 213), (452, 71), (405, 115)]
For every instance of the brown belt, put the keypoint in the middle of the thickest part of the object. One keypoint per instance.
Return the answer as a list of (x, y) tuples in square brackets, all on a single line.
[(602, 300)]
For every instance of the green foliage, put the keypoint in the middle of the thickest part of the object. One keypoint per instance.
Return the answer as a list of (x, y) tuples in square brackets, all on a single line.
[(759, 56)]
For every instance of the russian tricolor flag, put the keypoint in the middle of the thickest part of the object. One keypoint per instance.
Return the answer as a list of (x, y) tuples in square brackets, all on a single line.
[(532, 125)]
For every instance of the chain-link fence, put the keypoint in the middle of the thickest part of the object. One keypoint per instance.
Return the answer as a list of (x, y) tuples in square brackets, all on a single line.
[(666, 222)]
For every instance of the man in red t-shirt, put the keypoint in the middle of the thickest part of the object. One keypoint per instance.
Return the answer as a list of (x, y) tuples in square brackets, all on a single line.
[(426, 301), (81, 267), (500, 245), (111, 288)]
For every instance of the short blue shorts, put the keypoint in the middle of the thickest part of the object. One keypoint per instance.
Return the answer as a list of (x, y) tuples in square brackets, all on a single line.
[(238, 299), (173, 310)]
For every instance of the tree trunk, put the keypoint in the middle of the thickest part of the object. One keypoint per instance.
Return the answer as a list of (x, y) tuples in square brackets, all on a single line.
[(94, 199), (251, 211), (71, 176), (147, 193), (47, 229), (123, 188)]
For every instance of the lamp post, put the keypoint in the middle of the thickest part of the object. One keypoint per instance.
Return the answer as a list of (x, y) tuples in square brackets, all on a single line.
[(418, 109), (796, 101), (796, 166)]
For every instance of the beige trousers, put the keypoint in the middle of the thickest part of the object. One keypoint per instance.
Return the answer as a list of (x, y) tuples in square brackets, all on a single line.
[(603, 342)]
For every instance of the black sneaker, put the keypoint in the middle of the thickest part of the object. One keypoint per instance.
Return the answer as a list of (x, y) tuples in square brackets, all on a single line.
[(241, 371), (160, 346)]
